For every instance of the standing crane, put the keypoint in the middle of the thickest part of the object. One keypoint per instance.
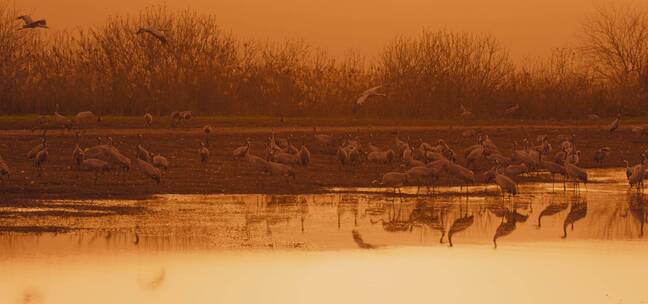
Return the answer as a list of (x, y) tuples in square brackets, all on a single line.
[(615, 124), (4, 169)]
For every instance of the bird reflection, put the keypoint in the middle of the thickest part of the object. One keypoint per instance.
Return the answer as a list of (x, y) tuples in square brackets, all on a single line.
[(577, 212), (550, 210), (347, 204), (638, 208), (32, 296), (460, 224), (429, 216), (357, 238), (153, 282), (510, 218), (394, 223)]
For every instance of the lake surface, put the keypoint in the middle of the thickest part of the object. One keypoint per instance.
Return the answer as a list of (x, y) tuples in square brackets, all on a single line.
[(546, 245)]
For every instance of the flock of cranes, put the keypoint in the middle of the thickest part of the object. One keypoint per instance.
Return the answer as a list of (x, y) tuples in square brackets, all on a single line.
[(421, 163)]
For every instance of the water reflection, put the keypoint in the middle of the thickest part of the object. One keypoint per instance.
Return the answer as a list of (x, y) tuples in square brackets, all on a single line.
[(510, 219), (429, 217), (551, 209), (638, 208), (460, 224), (168, 249), (324, 221), (577, 212)]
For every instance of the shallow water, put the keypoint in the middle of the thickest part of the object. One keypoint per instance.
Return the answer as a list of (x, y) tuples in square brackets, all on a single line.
[(588, 248)]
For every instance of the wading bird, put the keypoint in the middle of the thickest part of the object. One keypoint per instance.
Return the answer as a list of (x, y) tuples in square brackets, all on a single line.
[(142, 153), (629, 169), (148, 170), (505, 183), (77, 154), (148, 119), (85, 118), (615, 124), (638, 174), (160, 162), (240, 152), (34, 151), (324, 139), (304, 154), (94, 165), (207, 129), (576, 174), (553, 169), (204, 153), (4, 169), (393, 180), (60, 120), (601, 154), (280, 169), (40, 159)]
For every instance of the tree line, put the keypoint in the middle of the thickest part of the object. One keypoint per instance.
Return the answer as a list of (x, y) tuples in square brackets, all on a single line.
[(111, 71)]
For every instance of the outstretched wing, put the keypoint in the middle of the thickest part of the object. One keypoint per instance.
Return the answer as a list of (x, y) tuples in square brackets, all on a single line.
[(366, 94), (362, 99), (373, 90), (40, 23), (153, 32), (158, 34), (512, 109), (26, 18)]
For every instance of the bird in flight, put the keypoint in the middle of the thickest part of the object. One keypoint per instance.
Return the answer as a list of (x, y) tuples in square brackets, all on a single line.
[(365, 95), (512, 110), (31, 24), (153, 32)]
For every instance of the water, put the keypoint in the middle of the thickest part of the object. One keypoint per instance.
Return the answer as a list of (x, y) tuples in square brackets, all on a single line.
[(589, 247)]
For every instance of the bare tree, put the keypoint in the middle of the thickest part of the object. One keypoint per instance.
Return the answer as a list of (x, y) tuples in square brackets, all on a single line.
[(614, 42)]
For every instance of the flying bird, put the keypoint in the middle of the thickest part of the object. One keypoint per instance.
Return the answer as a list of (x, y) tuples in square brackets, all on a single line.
[(512, 110), (153, 32), (31, 24), (365, 95)]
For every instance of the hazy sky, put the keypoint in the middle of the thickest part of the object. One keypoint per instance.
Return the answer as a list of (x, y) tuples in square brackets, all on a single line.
[(526, 27)]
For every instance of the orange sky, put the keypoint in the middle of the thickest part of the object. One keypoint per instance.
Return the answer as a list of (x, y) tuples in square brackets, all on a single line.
[(526, 27)]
